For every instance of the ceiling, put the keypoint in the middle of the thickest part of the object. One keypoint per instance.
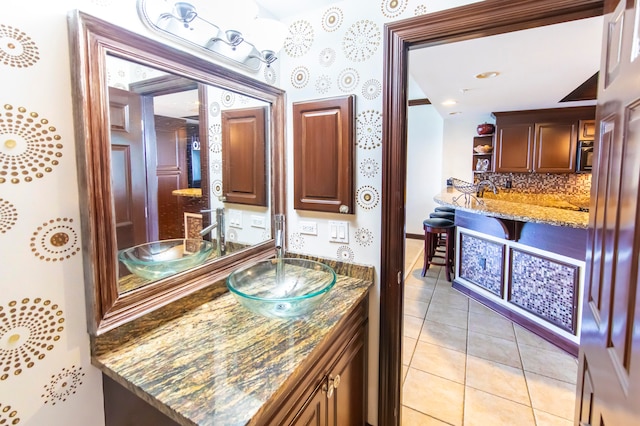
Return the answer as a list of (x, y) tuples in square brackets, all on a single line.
[(537, 68), (281, 9)]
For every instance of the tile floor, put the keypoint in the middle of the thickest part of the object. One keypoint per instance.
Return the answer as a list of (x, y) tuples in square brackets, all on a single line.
[(466, 365)]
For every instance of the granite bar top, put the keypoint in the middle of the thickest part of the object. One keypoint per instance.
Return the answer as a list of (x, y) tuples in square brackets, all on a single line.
[(209, 361), (522, 207)]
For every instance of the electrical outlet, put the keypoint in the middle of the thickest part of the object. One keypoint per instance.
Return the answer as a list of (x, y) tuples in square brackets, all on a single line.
[(339, 232), (257, 221), (309, 228)]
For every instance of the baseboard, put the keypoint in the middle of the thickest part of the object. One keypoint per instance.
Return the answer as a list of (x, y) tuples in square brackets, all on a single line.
[(415, 236)]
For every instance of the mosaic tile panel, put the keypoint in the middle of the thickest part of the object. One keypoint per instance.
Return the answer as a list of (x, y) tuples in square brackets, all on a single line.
[(538, 183), (544, 287), (481, 263)]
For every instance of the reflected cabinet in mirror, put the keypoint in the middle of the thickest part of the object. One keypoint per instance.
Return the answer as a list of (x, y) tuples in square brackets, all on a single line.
[(181, 164)]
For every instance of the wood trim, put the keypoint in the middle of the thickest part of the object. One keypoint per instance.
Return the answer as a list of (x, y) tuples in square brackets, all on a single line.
[(417, 102), (564, 344), (475, 20), (91, 39), (415, 236)]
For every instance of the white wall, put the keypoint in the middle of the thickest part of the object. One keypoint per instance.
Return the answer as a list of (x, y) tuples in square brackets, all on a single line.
[(425, 140)]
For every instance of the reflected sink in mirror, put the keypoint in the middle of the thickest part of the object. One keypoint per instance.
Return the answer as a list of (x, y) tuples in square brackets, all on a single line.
[(159, 259), (282, 288)]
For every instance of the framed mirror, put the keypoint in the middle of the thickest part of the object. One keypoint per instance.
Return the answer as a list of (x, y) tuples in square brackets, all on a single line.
[(181, 162)]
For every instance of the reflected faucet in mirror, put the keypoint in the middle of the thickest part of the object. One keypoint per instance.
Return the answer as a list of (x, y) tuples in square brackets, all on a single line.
[(218, 225), (280, 235)]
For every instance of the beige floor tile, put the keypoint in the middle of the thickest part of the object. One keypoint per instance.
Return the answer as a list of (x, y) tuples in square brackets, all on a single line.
[(551, 396), (415, 308), (450, 297), (497, 379), (412, 326), (475, 306), (432, 395), (494, 349), (526, 337), (415, 418), (405, 368), (447, 315), (443, 362), (418, 290), (492, 324), (554, 364), (484, 409), (546, 419), (408, 346), (444, 335)]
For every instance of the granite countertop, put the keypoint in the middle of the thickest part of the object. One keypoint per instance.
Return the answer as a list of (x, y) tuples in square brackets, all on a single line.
[(537, 208), (211, 361), (188, 192)]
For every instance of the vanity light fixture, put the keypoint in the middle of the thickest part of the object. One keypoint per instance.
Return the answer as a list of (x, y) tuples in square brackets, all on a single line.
[(487, 74), (190, 23)]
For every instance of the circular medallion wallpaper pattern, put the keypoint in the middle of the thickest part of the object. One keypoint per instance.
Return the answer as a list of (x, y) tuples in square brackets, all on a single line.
[(420, 10), (270, 75), (369, 129), (8, 216), (227, 98), (28, 330), (17, 49), (216, 187), (299, 40), (393, 8), (345, 253), (362, 40), (364, 237), (55, 240), (371, 89), (323, 84), (214, 109), (332, 19), (63, 385), (327, 57), (300, 77), (296, 241), (367, 197), (369, 167), (8, 416), (29, 145), (348, 79)]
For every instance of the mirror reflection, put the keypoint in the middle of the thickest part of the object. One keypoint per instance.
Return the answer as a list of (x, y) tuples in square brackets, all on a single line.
[(188, 171)]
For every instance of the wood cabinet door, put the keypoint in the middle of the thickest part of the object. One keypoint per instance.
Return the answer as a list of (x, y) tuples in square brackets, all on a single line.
[(244, 170), (347, 406), (323, 155), (514, 143), (314, 413), (555, 147)]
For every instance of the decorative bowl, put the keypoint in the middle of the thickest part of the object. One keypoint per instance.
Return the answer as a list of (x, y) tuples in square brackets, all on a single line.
[(282, 288), (485, 128), (483, 149), (159, 259)]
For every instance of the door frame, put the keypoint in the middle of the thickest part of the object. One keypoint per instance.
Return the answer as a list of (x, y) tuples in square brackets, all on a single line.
[(480, 19)]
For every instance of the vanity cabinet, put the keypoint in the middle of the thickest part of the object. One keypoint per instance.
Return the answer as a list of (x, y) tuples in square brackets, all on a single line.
[(330, 388), (539, 141)]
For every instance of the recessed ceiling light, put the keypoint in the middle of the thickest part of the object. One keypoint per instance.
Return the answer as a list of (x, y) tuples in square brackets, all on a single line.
[(449, 102), (488, 74)]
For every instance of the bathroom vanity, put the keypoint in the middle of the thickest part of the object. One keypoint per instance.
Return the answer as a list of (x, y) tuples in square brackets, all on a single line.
[(207, 360)]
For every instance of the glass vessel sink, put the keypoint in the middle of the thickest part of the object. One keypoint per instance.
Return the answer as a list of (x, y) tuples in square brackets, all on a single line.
[(159, 259), (282, 288)]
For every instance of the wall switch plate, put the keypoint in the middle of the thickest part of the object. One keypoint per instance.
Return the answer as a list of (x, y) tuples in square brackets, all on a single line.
[(234, 218), (309, 228), (257, 221), (339, 232)]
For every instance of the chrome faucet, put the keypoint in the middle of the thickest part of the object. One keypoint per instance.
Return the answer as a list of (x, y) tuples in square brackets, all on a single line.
[(480, 187), (279, 235), (218, 225)]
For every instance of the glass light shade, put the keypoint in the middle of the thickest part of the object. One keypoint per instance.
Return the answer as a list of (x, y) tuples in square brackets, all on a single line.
[(266, 34)]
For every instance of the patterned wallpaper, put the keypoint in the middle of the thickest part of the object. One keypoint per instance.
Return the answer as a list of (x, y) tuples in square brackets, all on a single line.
[(46, 377)]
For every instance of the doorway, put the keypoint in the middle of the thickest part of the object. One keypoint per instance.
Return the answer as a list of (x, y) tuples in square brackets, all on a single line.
[(476, 20)]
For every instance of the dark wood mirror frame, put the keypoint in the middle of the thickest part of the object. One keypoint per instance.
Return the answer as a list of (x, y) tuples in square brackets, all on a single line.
[(91, 39), (480, 19)]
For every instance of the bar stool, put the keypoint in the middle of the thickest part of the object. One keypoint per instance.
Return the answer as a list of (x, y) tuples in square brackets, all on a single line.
[(445, 209), (443, 215), (434, 229)]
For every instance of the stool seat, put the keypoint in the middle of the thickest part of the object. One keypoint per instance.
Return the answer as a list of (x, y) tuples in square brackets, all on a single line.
[(446, 209), (438, 222), (443, 215)]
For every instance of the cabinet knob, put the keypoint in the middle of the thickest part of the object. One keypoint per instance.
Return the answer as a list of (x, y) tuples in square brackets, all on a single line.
[(330, 385)]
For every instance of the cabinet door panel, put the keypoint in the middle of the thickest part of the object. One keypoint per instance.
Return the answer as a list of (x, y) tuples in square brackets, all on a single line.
[(347, 407), (556, 145), (514, 144), (314, 413)]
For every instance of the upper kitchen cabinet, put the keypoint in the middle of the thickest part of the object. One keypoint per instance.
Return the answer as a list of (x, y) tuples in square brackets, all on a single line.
[(539, 141), (323, 154)]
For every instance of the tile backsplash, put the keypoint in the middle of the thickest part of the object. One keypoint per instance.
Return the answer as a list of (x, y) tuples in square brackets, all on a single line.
[(574, 184)]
